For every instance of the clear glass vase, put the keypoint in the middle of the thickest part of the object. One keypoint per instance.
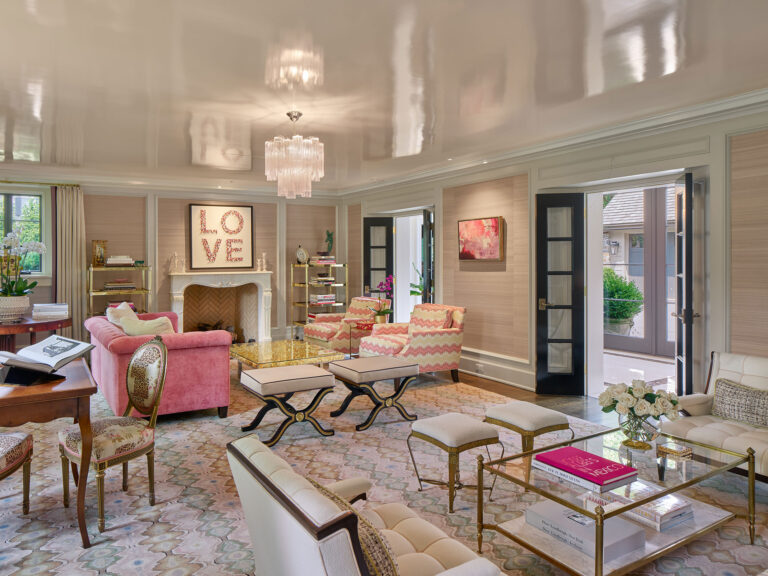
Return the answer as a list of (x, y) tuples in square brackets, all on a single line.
[(639, 431)]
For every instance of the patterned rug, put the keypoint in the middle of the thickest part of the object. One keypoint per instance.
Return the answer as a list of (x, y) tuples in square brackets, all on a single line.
[(197, 525)]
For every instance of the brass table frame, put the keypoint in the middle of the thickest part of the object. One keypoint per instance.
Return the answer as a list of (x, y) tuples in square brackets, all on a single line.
[(599, 515)]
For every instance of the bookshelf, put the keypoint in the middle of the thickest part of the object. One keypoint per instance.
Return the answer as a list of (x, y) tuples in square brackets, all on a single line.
[(97, 275), (304, 284)]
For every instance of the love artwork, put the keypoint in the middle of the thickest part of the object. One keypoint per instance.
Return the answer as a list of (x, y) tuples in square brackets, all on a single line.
[(221, 236)]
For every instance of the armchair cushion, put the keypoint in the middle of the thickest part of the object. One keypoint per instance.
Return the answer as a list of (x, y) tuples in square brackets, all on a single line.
[(426, 318), (364, 307), (321, 330), (393, 328), (115, 314), (383, 345), (738, 402)]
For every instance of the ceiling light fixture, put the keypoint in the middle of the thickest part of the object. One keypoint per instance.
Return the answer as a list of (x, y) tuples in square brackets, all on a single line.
[(296, 64), (294, 162)]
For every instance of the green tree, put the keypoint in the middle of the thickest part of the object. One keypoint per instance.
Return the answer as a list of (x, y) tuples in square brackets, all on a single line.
[(623, 300), (28, 228)]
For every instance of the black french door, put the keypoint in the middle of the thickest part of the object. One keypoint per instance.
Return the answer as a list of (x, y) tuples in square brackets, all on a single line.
[(378, 253), (684, 313), (428, 255), (560, 294)]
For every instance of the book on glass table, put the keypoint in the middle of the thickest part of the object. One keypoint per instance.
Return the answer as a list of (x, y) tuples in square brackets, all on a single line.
[(584, 469)]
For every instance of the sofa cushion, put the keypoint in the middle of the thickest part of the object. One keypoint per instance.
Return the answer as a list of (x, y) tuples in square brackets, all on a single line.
[(383, 345), (286, 379), (136, 327), (735, 401), (14, 447), (429, 319), (420, 548), (321, 330), (115, 314), (365, 307)]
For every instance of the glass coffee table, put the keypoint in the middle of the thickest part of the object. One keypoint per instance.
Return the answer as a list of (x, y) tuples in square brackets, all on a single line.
[(519, 484), (282, 353)]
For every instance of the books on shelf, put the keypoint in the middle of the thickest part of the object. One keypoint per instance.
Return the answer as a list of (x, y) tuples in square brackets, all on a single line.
[(322, 260), (120, 284), (119, 260), (660, 514), (578, 531), (322, 298), (50, 311), (584, 469), (46, 356)]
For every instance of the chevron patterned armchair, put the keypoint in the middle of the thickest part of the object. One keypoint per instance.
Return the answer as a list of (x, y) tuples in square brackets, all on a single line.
[(432, 338), (339, 331)]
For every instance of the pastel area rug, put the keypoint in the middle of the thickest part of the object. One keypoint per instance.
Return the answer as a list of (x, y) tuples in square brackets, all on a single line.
[(197, 525)]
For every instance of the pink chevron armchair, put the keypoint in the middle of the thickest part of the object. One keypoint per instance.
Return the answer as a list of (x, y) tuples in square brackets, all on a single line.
[(339, 331), (433, 338)]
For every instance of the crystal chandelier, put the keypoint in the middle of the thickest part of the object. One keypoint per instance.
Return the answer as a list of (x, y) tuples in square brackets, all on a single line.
[(299, 65), (294, 162)]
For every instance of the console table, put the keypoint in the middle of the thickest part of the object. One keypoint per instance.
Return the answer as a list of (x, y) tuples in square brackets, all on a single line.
[(28, 326)]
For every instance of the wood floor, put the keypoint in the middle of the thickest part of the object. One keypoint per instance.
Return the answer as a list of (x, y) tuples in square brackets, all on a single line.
[(583, 407)]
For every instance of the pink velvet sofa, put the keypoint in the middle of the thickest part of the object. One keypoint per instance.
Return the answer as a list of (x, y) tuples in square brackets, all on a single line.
[(198, 366)]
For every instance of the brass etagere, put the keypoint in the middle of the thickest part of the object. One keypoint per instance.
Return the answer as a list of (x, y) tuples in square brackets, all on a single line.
[(300, 279), (144, 292)]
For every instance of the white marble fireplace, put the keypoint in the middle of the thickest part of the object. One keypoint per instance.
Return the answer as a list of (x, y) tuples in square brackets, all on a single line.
[(262, 280)]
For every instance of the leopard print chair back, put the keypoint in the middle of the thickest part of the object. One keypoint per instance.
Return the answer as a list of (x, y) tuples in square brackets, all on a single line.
[(146, 377)]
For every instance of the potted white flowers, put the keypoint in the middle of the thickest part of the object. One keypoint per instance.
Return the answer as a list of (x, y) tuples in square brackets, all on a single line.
[(635, 404), (15, 290)]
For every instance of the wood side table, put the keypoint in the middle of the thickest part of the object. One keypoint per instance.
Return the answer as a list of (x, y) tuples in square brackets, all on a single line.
[(45, 402), (28, 326)]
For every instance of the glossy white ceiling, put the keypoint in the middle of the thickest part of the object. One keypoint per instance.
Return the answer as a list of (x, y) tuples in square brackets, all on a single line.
[(176, 88)]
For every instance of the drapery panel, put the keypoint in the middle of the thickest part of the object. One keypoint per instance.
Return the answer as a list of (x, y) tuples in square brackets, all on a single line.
[(70, 256)]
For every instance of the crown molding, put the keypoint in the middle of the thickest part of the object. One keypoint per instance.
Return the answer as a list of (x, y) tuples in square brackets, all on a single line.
[(744, 104)]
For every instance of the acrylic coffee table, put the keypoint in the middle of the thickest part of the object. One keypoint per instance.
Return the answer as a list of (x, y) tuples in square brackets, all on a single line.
[(519, 483), (282, 353)]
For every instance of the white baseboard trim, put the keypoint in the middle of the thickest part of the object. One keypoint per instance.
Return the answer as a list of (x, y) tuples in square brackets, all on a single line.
[(497, 368)]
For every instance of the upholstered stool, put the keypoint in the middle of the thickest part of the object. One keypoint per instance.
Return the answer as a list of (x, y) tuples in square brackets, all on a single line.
[(454, 433), (275, 386), (359, 376), (528, 420)]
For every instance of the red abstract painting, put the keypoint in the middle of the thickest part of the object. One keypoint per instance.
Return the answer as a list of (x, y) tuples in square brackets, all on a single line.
[(481, 239)]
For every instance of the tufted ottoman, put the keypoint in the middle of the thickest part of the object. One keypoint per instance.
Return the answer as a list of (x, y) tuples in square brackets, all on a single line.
[(275, 386), (454, 433)]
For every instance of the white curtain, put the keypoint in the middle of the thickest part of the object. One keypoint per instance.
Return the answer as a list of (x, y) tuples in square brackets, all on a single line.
[(70, 257)]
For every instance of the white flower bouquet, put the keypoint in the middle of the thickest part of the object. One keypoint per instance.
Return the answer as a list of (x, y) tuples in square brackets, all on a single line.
[(635, 404)]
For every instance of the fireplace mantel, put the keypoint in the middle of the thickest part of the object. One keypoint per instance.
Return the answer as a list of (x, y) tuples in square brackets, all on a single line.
[(220, 279)]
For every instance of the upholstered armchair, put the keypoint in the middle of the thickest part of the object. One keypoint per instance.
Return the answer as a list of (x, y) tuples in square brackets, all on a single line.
[(432, 338), (339, 331)]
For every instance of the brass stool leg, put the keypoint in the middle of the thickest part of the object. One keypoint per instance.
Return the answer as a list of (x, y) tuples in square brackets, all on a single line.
[(453, 472), (416, 468)]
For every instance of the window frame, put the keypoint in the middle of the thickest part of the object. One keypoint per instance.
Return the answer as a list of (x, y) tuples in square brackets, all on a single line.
[(46, 225)]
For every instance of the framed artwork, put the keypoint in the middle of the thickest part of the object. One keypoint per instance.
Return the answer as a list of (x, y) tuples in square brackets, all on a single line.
[(220, 236), (98, 253), (481, 239)]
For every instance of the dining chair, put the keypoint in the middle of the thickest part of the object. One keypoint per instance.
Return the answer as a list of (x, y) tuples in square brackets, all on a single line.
[(119, 439), (15, 452)]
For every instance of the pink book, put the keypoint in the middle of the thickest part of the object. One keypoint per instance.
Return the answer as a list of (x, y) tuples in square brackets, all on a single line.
[(596, 469)]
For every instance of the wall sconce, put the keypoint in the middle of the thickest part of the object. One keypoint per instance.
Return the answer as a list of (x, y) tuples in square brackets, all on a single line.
[(614, 247)]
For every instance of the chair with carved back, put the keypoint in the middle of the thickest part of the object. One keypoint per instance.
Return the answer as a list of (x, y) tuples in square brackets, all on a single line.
[(119, 439)]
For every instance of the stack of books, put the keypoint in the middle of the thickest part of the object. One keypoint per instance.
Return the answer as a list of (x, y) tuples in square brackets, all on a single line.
[(660, 514), (50, 311), (119, 261), (120, 284), (322, 280), (584, 469), (322, 260), (578, 531), (322, 298)]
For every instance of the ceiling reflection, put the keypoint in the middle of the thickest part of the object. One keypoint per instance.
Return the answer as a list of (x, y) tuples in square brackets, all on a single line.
[(190, 87)]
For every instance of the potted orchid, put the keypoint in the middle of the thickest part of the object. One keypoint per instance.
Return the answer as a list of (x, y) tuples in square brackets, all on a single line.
[(15, 290), (635, 405), (386, 286)]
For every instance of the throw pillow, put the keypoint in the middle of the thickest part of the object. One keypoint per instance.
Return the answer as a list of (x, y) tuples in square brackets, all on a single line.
[(117, 313), (137, 327), (735, 401), (378, 555), (429, 319)]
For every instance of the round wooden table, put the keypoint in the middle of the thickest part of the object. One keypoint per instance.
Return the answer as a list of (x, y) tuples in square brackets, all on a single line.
[(28, 326)]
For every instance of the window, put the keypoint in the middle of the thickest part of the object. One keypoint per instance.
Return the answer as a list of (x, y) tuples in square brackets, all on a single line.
[(21, 213)]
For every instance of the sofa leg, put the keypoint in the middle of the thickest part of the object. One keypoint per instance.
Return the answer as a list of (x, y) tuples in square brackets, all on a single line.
[(223, 411), (455, 374)]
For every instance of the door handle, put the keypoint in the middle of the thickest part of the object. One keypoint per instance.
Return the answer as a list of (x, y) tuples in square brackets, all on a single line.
[(681, 317), (543, 304)]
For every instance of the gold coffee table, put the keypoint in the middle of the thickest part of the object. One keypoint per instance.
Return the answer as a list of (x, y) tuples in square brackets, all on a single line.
[(282, 353), (519, 483)]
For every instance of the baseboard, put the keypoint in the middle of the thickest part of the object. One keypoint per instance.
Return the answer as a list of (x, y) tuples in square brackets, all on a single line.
[(498, 368)]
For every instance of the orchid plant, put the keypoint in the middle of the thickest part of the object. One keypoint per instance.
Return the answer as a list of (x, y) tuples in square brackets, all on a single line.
[(387, 287), (14, 257)]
